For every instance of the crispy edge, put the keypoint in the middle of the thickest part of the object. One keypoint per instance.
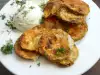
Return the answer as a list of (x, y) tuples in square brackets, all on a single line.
[(72, 58), (82, 33), (63, 62), (27, 37), (25, 54)]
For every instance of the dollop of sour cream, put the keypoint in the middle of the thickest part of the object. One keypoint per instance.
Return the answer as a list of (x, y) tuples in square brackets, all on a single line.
[(28, 16)]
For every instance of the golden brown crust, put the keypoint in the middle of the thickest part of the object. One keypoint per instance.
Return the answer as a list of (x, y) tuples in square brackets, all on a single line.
[(54, 40), (52, 23), (25, 54), (51, 8), (70, 17), (74, 53), (77, 6), (77, 32), (73, 11), (54, 44), (29, 39)]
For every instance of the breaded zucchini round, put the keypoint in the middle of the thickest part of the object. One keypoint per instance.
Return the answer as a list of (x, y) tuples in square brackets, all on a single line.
[(77, 32), (23, 53), (58, 47), (72, 11), (29, 39)]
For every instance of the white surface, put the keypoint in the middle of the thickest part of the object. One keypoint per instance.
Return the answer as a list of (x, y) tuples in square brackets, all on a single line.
[(89, 49)]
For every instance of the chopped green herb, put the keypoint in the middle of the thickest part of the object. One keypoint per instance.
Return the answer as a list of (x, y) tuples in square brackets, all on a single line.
[(38, 63), (10, 24), (25, 13), (42, 20), (31, 7), (20, 2), (7, 48), (42, 6), (1, 32), (12, 3), (67, 29), (8, 32), (30, 66), (59, 51), (19, 10), (3, 17), (45, 54)]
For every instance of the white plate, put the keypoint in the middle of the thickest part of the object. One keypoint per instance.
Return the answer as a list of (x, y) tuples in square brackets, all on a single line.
[(89, 48)]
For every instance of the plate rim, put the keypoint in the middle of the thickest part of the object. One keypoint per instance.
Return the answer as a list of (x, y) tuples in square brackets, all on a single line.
[(17, 74)]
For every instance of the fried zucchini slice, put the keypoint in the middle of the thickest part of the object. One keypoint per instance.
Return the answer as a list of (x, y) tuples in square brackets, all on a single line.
[(73, 11), (29, 40), (24, 53), (77, 32), (57, 48)]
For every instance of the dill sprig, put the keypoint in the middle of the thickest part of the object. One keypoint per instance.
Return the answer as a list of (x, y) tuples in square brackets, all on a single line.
[(7, 48)]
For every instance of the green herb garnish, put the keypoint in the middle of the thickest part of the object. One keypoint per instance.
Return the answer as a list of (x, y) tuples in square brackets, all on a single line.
[(38, 63), (25, 13), (8, 31), (7, 48), (30, 66), (67, 29), (1, 32), (59, 51), (10, 24), (20, 2), (3, 17), (31, 7), (19, 10), (42, 20), (42, 6), (12, 3)]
